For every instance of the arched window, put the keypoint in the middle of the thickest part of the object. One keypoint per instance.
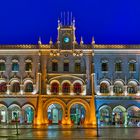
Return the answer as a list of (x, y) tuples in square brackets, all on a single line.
[(132, 88), (66, 88), (54, 88), (104, 88), (3, 87), (16, 87), (118, 88), (77, 88), (29, 87)]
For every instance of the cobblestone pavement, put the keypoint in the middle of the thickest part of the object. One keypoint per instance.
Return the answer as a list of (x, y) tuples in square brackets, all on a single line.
[(70, 133)]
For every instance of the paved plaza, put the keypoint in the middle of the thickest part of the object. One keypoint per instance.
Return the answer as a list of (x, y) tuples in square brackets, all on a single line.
[(68, 133)]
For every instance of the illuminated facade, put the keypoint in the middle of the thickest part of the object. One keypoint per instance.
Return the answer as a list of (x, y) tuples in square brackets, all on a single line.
[(48, 83), (63, 82), (117, 84)]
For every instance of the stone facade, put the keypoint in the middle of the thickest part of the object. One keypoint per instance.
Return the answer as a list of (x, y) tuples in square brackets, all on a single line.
[(47, 83)]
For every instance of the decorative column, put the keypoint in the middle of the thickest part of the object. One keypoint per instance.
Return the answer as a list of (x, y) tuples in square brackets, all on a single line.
[(8, 88), (92, 103), (125, 90), (138, 91), (21, 88), (111, 90), (125, 118), (39, 104), (43, 71), (88, 73), (66, 117)]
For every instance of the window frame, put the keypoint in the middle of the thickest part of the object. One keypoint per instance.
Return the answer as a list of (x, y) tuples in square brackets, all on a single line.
[(66, 69)]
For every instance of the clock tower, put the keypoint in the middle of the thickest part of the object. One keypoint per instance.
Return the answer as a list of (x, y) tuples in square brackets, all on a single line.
[(66, 32)]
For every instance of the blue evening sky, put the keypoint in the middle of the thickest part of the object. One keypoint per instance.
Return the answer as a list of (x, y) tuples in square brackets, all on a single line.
[(109, 21)]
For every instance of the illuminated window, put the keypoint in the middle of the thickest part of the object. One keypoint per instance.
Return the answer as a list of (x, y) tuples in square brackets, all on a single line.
[(29, 87), (104, 65), (2, 66), (104, 88), (66, 66), (77, 88), (118, 88), (118, 66), (3, 87), (15, 66), (54, 66), (28, 66), (66, 88), (54, 88), (132, 88), (16, 87), (77, 67), (132, 66)]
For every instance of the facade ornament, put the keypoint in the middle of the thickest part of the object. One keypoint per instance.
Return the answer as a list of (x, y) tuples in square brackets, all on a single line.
[(55, 53), (50, 42), (93, 41), (81, 42), (59, 23), (39, 41)]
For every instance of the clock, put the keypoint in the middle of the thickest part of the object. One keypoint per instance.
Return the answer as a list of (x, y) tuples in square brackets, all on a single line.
[(66, 39)]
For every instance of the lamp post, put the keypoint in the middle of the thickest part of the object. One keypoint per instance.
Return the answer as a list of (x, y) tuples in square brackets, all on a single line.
[(16, 119), (97, 124)]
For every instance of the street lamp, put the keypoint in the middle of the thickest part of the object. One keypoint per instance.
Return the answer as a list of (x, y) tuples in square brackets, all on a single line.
[(97, 127)]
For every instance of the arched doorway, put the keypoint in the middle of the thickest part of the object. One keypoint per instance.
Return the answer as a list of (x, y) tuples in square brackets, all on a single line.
[(14, 113), (77, 114), (105, 115), (133, 115), (119, 115), (54, 114), (28, 114), (3, 114)]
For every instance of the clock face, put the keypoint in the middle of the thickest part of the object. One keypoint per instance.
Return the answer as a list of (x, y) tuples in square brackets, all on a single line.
[(66, 39)]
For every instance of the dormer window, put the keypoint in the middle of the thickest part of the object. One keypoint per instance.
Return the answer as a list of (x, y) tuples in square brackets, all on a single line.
[(15, 65)]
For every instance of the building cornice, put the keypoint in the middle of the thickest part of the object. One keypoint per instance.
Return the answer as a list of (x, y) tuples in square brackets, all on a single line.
[(118, 97)]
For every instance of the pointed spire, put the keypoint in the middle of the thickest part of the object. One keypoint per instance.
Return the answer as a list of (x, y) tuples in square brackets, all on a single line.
[(71, 19), (50, 42), (58, 22), (39, 41), (64, 18), (81, 42), (93, 41), (73, 22), (68, 18)]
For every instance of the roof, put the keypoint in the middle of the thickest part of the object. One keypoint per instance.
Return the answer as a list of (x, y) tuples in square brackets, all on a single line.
[(96, 46), (77, 46)]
